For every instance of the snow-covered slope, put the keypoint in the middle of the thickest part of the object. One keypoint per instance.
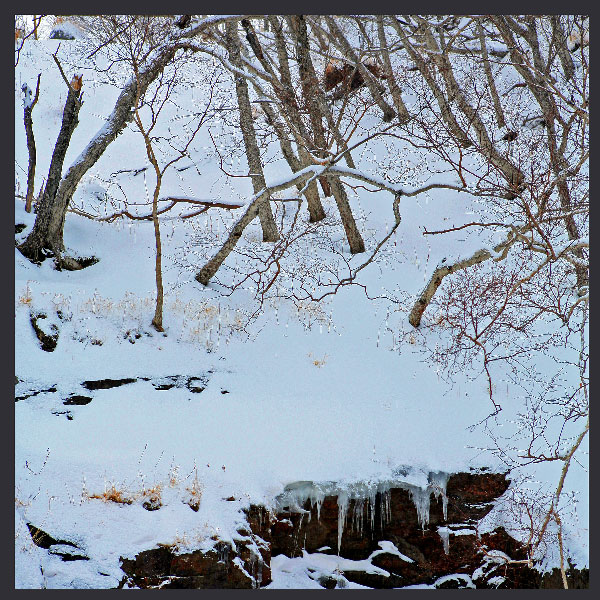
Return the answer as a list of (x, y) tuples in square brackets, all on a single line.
[(338, 392)]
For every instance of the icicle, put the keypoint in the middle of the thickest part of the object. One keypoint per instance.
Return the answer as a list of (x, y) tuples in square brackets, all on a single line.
[(342, 501), (253, 570), (420, 498), (438, 481), (357, 515), (386, 507), (259, 571), (372, 501), (316, 496), (444, 533)]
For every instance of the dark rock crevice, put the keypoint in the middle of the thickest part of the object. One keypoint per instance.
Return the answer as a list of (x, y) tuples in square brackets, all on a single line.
[(65, 549), (46, 332)]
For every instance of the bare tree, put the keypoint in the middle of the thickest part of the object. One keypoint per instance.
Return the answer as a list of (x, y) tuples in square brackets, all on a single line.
[(501, 104), (156, 103), (152, 50), (28, 105), (497, 106), (535, 182), (265, 214), (32, 246)]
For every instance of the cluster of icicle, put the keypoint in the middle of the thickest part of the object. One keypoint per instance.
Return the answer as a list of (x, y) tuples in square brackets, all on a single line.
[(364, 495)]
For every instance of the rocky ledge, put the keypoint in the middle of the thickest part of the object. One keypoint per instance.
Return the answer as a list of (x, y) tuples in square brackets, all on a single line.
[(404, 534)]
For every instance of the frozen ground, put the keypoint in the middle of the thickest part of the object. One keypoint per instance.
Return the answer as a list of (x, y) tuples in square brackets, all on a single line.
[(337, 393)]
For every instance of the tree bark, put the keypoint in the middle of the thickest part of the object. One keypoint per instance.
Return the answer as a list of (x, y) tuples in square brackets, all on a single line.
[(445, 110), (28, 120), (357, 245), (560, 43), (298, 25), (315, 208), (388, 112), (311, 91), (212, 266), (269, 227), (425, 297), (157, 321), (403, 114), (32, 159), (490, 77), (45, 235)]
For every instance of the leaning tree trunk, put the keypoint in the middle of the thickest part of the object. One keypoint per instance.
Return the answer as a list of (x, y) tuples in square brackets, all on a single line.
[(28, 121), (47, 232), (212, 266), (310, 89), (269, 227), (355, 240), (32, 158), (45, 235), (315, 208)]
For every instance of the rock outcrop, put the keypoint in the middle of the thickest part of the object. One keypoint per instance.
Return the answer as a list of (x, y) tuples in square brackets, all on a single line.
[(416, 538), (245, 566), (406, 535)]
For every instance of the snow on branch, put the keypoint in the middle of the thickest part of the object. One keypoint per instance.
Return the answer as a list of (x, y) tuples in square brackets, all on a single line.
[(391, 187), (307, 174), (414, 318), (211, 21), (206, 204), (499, 252)]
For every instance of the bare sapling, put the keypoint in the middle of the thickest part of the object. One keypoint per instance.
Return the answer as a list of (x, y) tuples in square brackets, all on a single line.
[(28, 105), (156, 102)]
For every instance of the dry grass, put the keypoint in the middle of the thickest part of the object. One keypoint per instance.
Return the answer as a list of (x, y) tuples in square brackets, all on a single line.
[(310, 313), (113, 494), (152, 497), (318, 362), (192, 321), (173, 476), (26, 298), (179, 541), (20, 503), (194, 493)]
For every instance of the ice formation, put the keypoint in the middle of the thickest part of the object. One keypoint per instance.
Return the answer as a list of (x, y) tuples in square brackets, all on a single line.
[(365, 495), (444, 533)]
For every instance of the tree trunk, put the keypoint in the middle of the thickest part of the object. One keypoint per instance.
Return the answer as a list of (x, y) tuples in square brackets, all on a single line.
[(310, 89), (28, 120), (403, 114), (490, 77), (336, 33), (212, 266), (157, 321), (357, 245), (269, 227), (32, 158), (47, 232), (315, 208)]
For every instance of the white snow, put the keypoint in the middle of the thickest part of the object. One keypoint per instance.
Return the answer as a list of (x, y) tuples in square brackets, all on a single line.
[(304, 402)]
